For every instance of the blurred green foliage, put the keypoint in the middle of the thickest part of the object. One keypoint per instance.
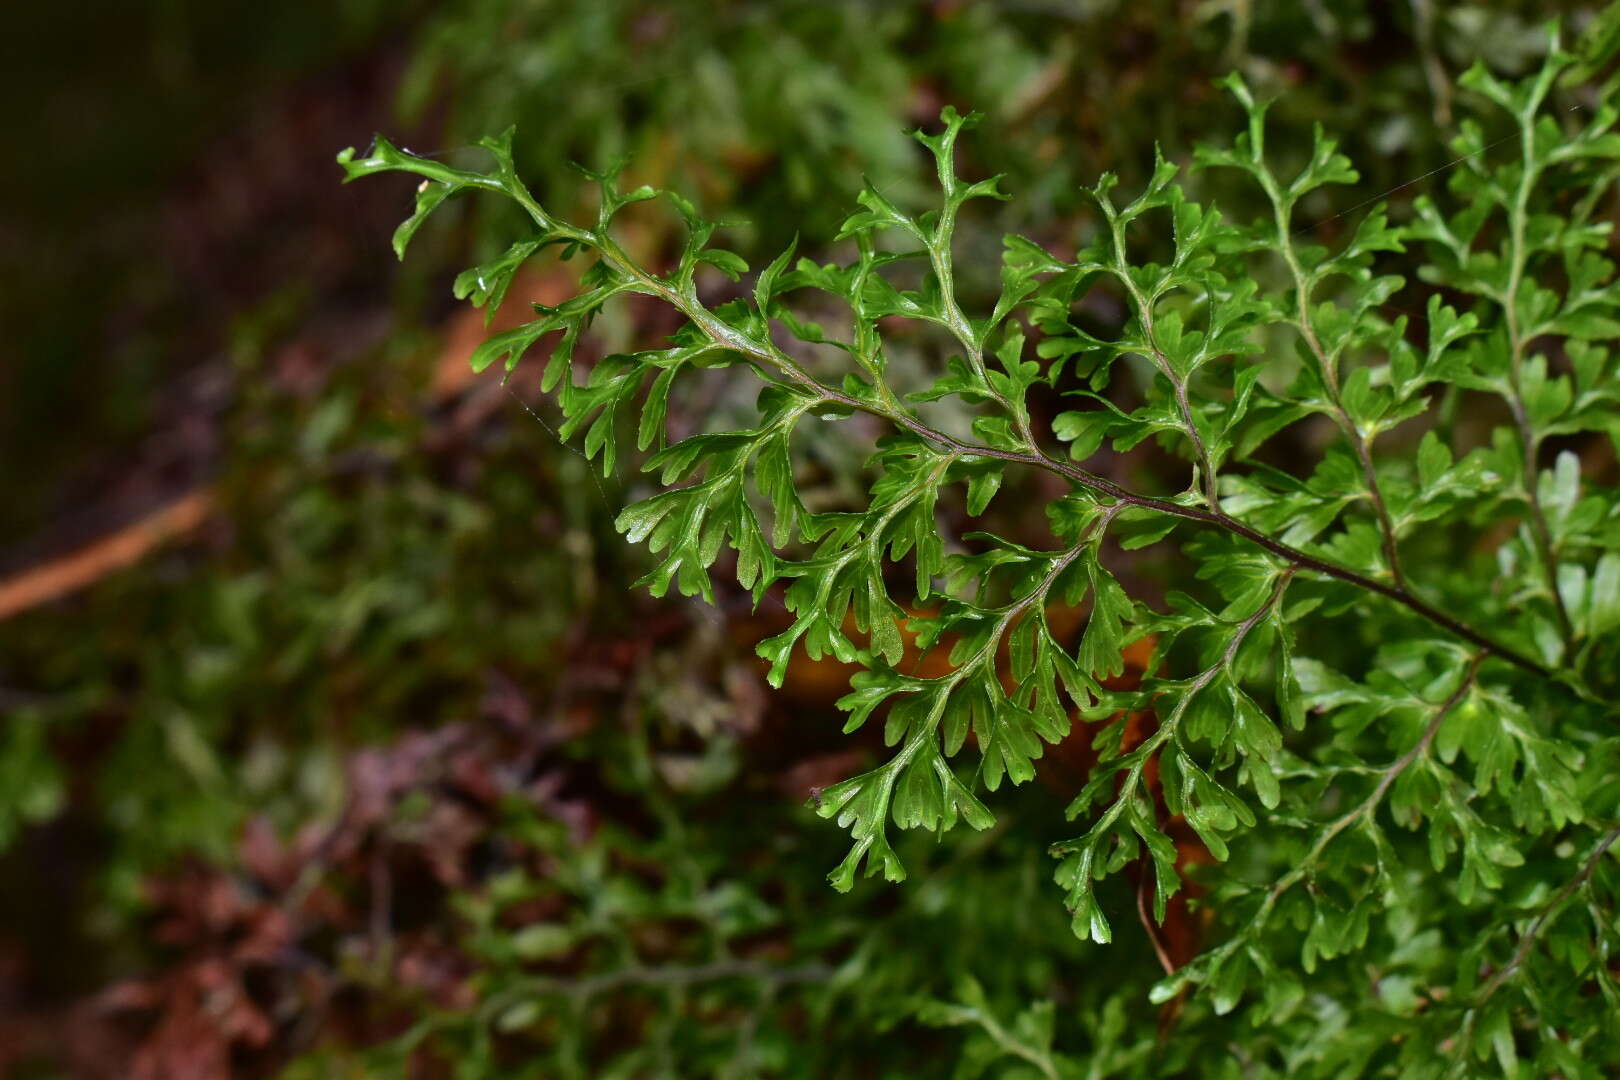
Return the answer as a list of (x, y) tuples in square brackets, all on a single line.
[(770, 112)]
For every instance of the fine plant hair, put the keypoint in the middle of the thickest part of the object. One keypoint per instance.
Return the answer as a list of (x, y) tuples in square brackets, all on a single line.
[(1381, 690)]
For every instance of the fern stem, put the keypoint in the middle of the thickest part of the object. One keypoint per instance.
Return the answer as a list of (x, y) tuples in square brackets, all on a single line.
[(1370, 804), (1529, 443), (1386, 779), (1144, 314), (1167, 729), (1225, 521), (1548, 912), (1328, 367)]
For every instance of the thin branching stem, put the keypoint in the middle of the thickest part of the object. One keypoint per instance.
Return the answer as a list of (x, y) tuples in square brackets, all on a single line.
[(1387, 776), (1328, 367), (1549, 912), (1374, 799), (1529, 441), (1144, 753), (1144, 314)]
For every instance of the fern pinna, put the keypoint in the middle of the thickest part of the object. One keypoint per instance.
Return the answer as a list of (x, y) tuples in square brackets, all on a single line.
[(1415, 630)]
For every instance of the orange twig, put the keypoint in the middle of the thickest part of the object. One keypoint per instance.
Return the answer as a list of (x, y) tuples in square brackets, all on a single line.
[(48, 581)]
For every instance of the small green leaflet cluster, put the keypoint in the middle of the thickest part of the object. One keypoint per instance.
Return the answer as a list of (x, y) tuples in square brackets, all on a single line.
[(1348, 602)]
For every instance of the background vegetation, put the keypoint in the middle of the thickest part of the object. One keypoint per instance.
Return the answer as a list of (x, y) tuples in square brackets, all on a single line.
[(358, 757)]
